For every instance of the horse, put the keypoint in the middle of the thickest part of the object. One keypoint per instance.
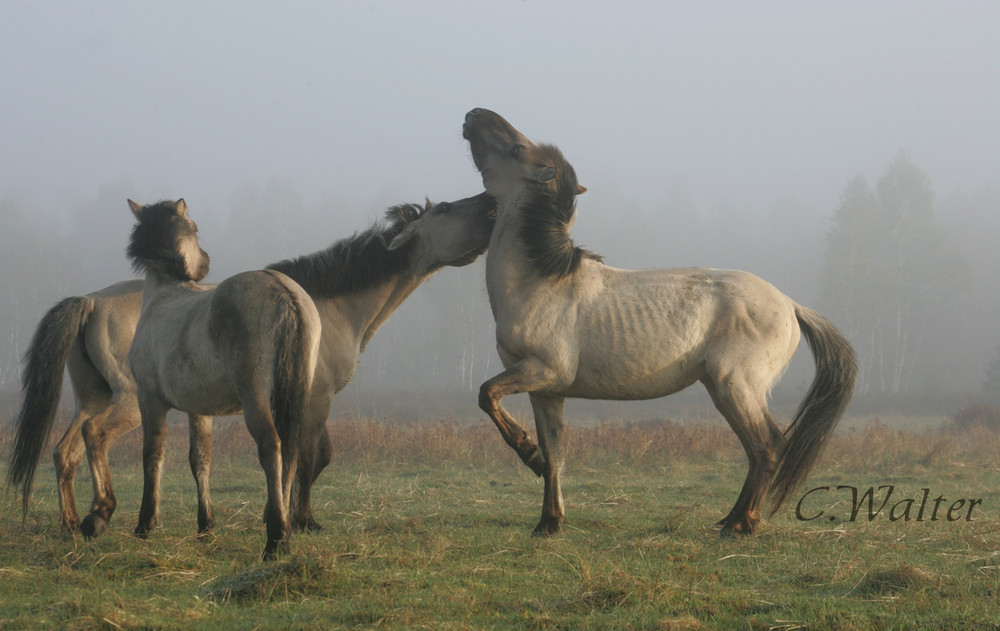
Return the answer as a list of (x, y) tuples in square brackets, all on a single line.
[(355, 284), (88, 336), (249, 344), (567, 325)]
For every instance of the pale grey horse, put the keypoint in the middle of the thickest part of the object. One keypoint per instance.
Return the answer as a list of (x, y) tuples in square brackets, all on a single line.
[(356, 284), (248, 345), (569, 326)]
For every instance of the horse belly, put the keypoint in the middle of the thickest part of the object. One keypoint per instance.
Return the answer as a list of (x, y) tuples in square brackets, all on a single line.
[(198, 393), (631, 378)]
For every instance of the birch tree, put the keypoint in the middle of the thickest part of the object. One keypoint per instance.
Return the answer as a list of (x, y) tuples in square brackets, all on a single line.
[(886, 264)]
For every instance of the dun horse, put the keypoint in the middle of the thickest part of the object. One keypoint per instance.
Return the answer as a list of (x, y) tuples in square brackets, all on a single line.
[(249, 344), (569, 326), (355, 284)]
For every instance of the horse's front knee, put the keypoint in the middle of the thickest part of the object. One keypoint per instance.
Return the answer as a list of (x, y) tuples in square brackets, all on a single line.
[(487, 402)]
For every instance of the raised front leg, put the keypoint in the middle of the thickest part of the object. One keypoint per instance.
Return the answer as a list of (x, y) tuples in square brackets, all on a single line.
[(525, 376), (549, 425), (200, 459), (99, 433), (154, 437)]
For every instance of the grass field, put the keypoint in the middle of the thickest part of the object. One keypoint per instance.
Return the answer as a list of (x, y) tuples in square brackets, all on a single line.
[(426, 527)]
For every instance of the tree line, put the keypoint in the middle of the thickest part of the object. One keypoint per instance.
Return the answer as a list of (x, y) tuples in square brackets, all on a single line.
[(912, 287)]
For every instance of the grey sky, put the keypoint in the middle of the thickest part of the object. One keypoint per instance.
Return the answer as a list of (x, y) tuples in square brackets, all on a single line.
[(699, 128), (744, 102)]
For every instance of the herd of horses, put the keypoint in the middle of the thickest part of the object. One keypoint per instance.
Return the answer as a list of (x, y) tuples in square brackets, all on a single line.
[(278, 344)]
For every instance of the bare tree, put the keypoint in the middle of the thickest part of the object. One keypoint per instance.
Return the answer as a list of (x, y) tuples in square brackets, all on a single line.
[(886, 264)]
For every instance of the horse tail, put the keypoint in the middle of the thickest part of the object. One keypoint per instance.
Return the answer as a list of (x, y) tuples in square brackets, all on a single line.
[(44, 364), (294, 366), (817, 416)]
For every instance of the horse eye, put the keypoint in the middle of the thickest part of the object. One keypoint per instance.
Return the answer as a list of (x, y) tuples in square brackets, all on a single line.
[(444, 207), (515, 151)]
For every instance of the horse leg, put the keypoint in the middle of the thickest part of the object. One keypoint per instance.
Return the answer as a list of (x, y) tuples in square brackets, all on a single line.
[(66, 457), (549, 424), (93, 395), (525, 376), (314, 455), (200, 459), (745, 409), (99, 433), (261, 426), (154, 436)]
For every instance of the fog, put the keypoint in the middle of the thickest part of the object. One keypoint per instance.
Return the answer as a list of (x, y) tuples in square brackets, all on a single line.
[(710, 134)]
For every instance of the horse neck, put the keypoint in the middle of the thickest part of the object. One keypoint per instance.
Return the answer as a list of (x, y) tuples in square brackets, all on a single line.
[(156, 285), (507, 270), (368, 309)]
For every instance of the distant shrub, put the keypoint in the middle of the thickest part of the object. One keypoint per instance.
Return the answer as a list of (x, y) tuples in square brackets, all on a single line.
[(978, 414)]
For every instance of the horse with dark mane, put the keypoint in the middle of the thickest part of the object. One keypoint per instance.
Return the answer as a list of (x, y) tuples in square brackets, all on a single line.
[(567, 325), (355, 284), (248, 345)]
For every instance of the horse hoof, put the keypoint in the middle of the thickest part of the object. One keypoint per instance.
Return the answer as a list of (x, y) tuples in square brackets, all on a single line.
[(307, 525), (546, 529), (206, 532), (93, 526), (736, 529), (275, 549)]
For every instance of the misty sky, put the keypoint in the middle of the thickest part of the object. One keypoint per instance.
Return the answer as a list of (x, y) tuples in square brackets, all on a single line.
[(739, 102), (331, 111)]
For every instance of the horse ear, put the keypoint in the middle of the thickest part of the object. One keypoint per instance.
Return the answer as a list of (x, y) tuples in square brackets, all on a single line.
[(136, 209), (543, 174), (580, 190), (403, 237), (182, 207)]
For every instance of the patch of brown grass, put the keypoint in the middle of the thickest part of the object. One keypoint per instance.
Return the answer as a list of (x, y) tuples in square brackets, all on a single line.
[(872, 447), (977, 415), (888, 582)]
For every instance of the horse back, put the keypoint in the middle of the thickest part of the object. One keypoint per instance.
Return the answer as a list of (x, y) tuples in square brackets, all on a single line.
[(248, 309), (108, 334), (633, 334)]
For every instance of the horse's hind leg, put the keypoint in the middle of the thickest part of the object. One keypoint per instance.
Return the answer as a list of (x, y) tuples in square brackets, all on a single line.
[(745, 410), (93, 396), (200, 459), (99, 433), (66, 457), (260, 423)]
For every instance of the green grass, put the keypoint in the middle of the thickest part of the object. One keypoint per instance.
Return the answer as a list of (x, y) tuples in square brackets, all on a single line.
[(426, 526)]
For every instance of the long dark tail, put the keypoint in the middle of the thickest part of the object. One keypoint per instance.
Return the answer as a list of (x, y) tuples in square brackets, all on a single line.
[(292, 375), (41, 382), (817, 416)]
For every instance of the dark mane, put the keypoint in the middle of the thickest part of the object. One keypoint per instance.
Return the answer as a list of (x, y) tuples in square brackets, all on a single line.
[(546, 216), (357, 262), (152, 245)]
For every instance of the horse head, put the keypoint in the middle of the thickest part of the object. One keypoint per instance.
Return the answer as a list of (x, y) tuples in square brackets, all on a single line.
[(165, 242), (448, 233), (507, 160)]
